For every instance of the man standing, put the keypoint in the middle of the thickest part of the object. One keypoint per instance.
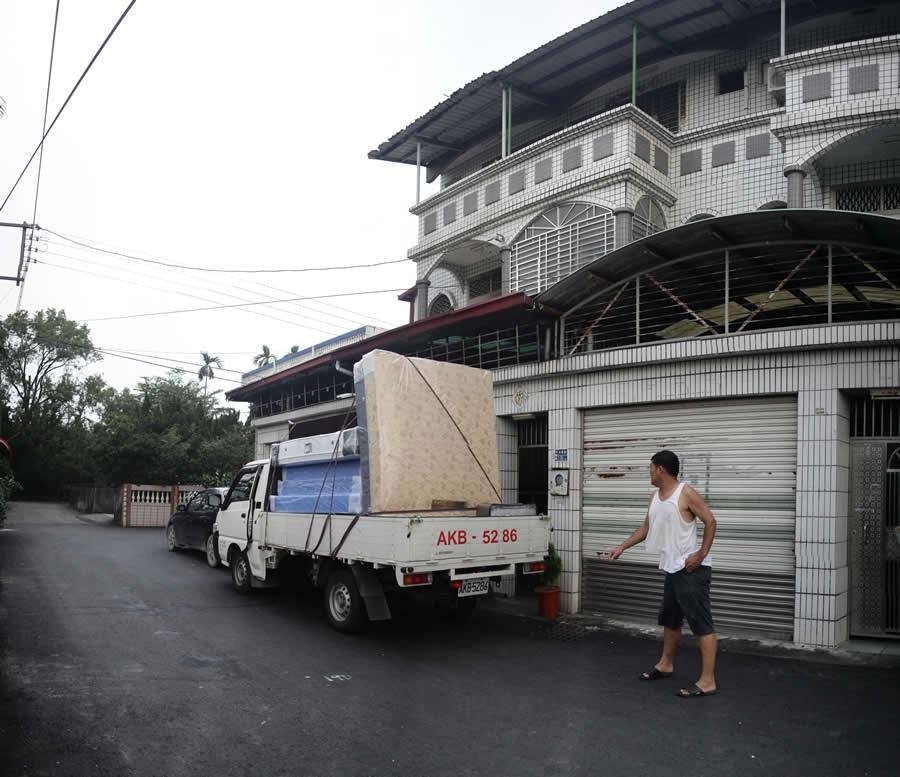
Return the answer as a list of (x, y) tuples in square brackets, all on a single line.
[(670, 529)]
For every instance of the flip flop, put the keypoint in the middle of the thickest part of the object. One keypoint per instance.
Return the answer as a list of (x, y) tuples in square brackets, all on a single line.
[(654, 674), (694, 691)]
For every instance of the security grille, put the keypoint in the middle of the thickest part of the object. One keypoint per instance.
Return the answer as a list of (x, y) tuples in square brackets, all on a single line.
[(869, 198), (559, 242), (742, 289)]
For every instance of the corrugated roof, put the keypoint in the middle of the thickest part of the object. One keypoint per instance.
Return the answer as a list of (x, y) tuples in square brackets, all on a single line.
[(716, 234), (556, 75), (445, 323)]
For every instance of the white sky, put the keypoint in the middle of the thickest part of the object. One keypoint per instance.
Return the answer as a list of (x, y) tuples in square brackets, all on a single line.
[(233, 134)]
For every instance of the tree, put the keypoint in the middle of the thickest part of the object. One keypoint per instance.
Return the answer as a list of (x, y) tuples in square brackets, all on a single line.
[(167, 431), (206, 371), (40, 357), (264, 357), (295, 349), (48, 407)]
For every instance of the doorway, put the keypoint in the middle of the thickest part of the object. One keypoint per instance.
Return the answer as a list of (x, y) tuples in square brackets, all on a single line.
[(874, 518)]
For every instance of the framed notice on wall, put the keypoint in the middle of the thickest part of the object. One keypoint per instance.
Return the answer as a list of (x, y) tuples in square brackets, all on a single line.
[(559, 482), (560, 459)]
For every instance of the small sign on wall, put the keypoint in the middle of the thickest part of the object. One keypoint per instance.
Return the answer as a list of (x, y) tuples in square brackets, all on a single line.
[(560, 458), (559, 482)]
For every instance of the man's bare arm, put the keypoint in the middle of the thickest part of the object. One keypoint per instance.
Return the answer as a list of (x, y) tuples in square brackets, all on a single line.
[(697, 505), (638, 535)]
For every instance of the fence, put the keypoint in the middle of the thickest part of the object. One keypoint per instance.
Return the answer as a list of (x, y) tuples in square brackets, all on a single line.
[(95, 499), (151, 505)]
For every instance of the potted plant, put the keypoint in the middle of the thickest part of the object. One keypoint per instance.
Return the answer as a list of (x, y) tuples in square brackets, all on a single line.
[(548, 591)]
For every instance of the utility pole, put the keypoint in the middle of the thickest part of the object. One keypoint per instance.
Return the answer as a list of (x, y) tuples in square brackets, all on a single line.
[(19, 277)]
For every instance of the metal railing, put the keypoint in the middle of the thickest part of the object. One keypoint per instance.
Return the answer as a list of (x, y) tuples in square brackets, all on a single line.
[(740, 289)]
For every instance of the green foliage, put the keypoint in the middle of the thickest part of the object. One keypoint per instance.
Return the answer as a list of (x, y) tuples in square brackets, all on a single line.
[(65, 427), (264, 357), (552, 566), (8, 486), (167, 431)]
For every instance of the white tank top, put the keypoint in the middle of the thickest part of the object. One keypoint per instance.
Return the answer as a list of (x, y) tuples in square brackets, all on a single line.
[(670, 535)]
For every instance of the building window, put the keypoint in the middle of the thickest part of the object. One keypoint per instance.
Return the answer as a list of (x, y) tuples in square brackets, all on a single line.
[(663, 104), (441, 304), (731, 81), (561, 240), (648, 218), (869, 198)]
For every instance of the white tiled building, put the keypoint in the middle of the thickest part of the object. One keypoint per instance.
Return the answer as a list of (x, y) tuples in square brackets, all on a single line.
[(759, 343), (699, 254)]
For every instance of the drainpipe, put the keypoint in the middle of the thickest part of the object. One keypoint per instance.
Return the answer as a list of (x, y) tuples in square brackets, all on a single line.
[(418, 171), (783, 27), (343, 370), (503, 115), (634, 63), (624, 226), (795, 176), (422, 299), (505, 255)]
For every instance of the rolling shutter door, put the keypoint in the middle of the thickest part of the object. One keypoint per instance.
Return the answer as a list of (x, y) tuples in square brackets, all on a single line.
[(741, 456)]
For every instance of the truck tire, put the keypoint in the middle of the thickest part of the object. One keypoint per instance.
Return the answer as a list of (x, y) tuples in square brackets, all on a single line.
[(344, 606), (241, 576), (171, 544), (212, 551)]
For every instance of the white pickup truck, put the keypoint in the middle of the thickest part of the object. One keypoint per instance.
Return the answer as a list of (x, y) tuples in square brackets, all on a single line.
[(449, 555)]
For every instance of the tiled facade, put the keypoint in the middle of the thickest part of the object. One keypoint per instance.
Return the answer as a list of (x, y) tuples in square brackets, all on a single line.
[(816, 366)]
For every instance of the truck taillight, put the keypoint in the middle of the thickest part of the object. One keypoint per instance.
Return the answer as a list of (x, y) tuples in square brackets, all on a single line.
[(417, 579), (457, 584), (535, 566)]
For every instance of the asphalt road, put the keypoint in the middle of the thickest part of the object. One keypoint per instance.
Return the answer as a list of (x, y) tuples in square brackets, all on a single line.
[(119, 658)]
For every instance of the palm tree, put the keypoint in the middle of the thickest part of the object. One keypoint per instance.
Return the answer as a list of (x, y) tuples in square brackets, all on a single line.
[(295, 348), (206, 371), (264, 357)]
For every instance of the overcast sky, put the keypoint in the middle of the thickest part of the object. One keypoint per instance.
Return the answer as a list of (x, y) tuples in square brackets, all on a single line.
[(232, 134)]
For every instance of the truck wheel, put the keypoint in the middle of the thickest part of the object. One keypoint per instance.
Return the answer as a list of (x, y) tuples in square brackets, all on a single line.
[(240, 573), (212, 551), (344, 607), (171, 544)]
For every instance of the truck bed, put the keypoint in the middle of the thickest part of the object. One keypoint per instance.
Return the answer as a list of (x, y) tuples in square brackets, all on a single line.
[(424, 540)]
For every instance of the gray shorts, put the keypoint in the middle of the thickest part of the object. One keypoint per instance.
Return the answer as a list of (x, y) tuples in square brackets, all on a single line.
[(686, 595)]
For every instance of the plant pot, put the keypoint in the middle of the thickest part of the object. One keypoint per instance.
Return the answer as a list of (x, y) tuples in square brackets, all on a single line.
[(548, 601)]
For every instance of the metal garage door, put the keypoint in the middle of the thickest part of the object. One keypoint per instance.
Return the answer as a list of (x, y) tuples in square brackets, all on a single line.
[(741, 456)]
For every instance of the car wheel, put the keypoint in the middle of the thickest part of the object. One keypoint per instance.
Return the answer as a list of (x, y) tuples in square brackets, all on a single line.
[(171, 544), (344, 607), (240, 573), (212, 551)]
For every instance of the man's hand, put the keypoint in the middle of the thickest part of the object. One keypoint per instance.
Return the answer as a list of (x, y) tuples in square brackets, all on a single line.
[(693, 561), (613, 554)]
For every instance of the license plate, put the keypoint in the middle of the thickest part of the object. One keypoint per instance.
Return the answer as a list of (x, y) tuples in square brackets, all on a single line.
[(474, 587)]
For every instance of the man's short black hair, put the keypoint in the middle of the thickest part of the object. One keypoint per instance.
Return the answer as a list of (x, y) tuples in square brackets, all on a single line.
[(668, 461)]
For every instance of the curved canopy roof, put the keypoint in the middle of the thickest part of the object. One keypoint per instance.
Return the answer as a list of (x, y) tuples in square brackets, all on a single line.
[(761, 228), (559, 73)]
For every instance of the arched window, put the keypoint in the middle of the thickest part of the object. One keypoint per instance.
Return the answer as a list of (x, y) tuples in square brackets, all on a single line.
[(699, 217), (441, 304), (773, 205), (558, 242), (648, 218)]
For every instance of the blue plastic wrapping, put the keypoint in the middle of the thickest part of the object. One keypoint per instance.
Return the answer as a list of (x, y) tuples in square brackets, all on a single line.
[(323, 487)]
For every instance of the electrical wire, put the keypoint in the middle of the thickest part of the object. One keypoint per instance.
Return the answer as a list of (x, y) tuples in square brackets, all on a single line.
[(334, 328), (331, 333), (81, 78), (195, 268), (37, 185), (240, 305)]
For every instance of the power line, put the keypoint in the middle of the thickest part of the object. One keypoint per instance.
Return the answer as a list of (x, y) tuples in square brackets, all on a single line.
[(63, 106), (37, 185), (142, 285), (250, 271), (242, 305)]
